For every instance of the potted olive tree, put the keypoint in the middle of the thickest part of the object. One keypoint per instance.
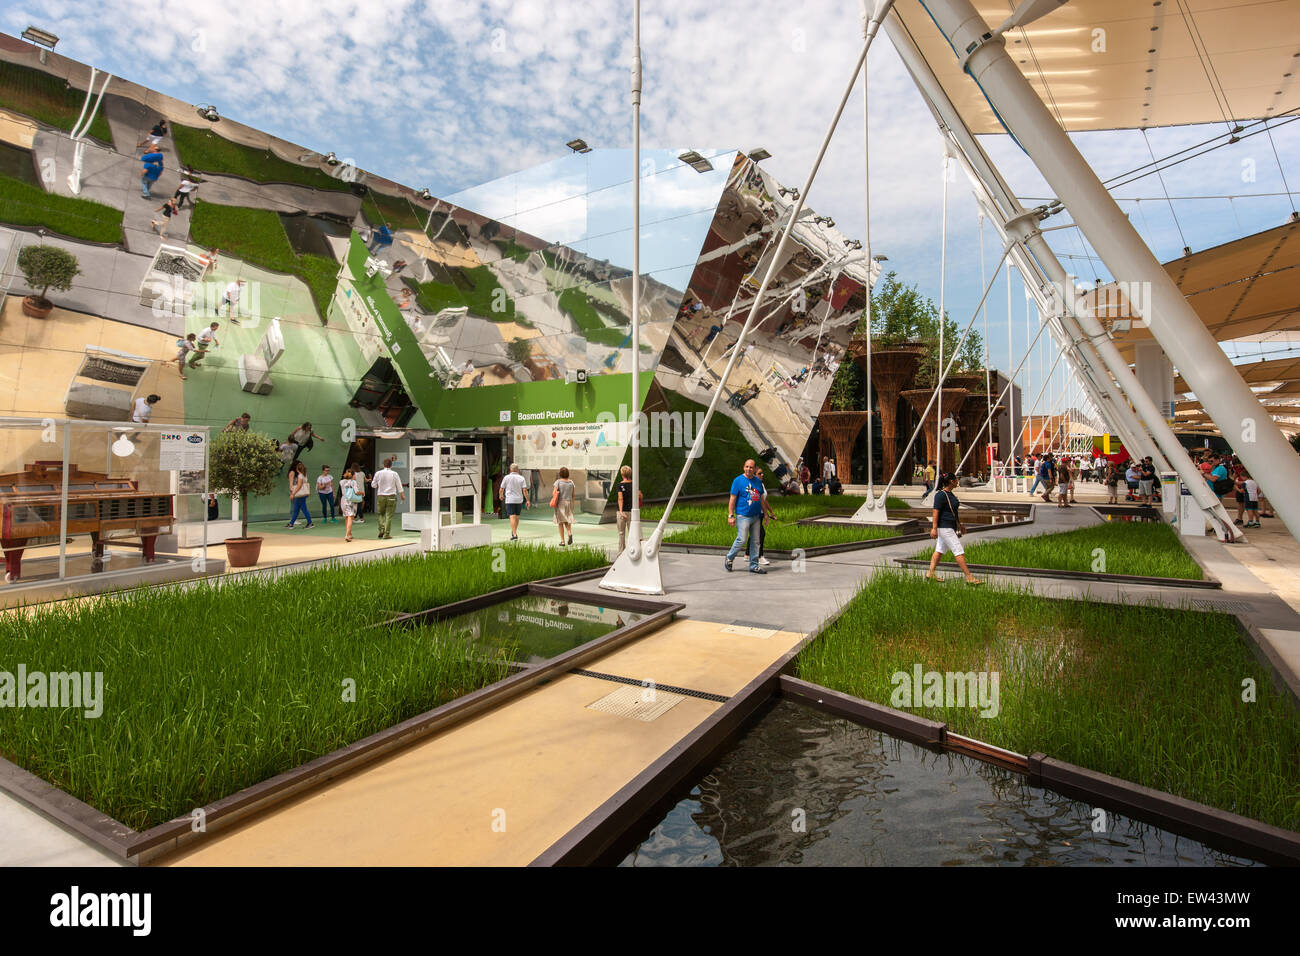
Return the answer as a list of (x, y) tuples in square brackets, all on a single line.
[(243, 464), (46, 267)]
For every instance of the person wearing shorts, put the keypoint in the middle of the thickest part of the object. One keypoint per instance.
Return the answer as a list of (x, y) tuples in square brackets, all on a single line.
[(946, 528), (207, 338), (514, 491)]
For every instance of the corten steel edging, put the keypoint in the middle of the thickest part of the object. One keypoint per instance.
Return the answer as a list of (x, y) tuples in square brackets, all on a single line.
[(605, 826), (897, 723), (1217, 828), (78, 816), (259, 796), (979, 750), (1055, 574)]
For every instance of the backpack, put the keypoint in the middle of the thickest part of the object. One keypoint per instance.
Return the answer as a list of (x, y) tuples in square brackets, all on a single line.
[(1223, 485)]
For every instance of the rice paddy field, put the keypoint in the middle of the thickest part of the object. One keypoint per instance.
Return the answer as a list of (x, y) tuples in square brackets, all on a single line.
[(1147, 694), (1114, 547), (210, 688), (785, 533)]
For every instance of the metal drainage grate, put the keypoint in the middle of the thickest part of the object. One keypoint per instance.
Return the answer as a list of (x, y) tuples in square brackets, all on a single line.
[(1237, 606), (668, 688), (636, 703)]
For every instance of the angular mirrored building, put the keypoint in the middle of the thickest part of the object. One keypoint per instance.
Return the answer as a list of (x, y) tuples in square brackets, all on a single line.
[(382, 314)]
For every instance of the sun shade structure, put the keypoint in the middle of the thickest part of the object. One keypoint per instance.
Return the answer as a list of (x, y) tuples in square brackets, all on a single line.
[(1244, 288), (1126, 64)]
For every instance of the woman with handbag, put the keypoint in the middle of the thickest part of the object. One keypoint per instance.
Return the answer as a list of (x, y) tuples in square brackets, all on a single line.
[(352, 496), (562, 502), (946, 528), (298, 492)]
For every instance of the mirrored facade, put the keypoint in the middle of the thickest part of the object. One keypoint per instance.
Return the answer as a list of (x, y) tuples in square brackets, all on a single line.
[(312, 295)]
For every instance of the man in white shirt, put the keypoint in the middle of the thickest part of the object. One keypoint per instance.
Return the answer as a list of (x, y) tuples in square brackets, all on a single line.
[(144, 409), (514, 491), (828, 473), (230, 299), (388, 487), (207, 338)]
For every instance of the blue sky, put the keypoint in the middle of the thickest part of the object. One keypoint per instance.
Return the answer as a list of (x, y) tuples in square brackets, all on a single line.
[(451, 95)]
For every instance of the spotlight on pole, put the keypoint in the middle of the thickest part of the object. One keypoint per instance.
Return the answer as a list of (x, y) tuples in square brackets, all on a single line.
[(578, 146), (694, 160)]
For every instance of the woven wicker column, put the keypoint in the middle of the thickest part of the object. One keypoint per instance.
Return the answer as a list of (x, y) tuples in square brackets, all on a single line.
[(891, 369), (952, 399), (842, 429)]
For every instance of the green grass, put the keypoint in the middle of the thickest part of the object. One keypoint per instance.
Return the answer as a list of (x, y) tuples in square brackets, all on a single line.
[(257, 236), (1125, 547), (394, 210), (212, 688), (477, 290), (578, 306), (48, 99), (206, 151), (784, 534), (22, 204), (1153, 696)]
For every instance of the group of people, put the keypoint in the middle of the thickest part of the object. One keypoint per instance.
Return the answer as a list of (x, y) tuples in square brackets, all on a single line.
[(350, 496), (826, 483), (1226, 475)]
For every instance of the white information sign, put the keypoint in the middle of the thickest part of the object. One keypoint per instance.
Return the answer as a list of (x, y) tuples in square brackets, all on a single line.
[(182, 451), (598, 446)]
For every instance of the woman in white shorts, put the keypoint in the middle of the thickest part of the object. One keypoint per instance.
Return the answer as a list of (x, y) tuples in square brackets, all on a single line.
[(946, 528)]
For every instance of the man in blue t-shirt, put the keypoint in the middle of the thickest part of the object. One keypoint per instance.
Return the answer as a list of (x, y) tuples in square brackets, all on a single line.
[(745, 511)]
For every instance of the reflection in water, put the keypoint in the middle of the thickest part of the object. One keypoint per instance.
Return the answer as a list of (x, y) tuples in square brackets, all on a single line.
[(870, 800), (531, 629)]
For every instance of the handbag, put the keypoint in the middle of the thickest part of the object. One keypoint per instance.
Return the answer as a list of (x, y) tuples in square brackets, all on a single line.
[(351, 496), (555, 497)]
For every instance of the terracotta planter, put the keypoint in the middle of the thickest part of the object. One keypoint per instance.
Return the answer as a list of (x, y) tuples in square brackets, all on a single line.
[(32, 307), (243, 552)]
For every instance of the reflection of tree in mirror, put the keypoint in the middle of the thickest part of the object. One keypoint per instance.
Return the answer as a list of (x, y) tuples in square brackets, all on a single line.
[(512, 250), (519, 350)]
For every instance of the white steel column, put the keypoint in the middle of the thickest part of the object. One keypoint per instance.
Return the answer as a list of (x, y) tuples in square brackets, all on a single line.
[(1142, 427), (1172, 321)]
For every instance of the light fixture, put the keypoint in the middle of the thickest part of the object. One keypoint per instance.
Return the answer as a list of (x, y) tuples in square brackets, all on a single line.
[(825, 221), (697, 162), (578, 146), (208, 112), (425, 194), (759, 154), (853, 243), (791, 191), (880, 258), (42, 38), (331, 159)]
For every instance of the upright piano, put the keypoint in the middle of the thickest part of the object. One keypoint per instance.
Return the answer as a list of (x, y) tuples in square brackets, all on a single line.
[(103, 507)]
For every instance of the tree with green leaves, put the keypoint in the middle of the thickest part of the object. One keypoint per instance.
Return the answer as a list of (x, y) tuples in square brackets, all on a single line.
[(48, 267), (244, 464)]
